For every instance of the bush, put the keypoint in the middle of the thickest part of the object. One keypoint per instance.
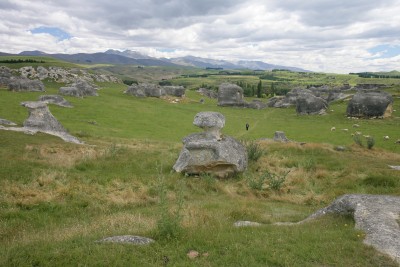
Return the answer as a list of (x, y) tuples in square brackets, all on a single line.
[(254, 151), (276, 181), (370, 142)]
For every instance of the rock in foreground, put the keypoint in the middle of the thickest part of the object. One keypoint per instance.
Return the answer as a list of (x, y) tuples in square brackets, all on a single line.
[(369, 104), (210, 152)]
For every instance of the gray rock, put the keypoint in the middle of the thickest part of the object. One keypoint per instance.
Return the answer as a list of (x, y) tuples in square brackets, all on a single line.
[(154, 90), (208, 93), (56, 100), (41, 120), (230, 95), (128, 239), (308, 104), (18, 84), (5, 75), (376, 215), (210, 152), (256, 104), (80, 88), (246, 224), (369, 104), (7, 122), (280, 136)]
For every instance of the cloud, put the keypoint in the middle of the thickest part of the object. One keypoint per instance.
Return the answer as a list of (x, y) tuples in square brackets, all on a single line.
[(329, 35)]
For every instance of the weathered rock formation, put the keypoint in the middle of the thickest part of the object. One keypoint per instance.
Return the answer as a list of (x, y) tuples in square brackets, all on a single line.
[(231, 95), (5, 75), (208, 93), (18, 84), (41, 120), (80, 88), (211, 152), (377, 215), (369, 86), (65, 75), (369, 104), (154, 90), (56, 100), (280, 136), (308, 104)]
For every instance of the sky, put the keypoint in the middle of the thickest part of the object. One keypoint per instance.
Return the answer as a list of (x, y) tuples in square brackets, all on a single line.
[(336, 36)]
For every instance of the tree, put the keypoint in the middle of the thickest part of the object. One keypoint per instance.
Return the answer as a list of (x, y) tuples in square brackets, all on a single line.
[(259, 87)]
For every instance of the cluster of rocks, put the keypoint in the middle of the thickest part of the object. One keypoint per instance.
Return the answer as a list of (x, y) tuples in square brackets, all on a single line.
[(231, 95), (154, 90), (305, 101), (79, 88), (64, 75), (210, 152), (18, 83)]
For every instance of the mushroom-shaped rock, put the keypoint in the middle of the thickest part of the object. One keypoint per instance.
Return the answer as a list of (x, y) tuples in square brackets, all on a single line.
[(368, 104), (210, 152)]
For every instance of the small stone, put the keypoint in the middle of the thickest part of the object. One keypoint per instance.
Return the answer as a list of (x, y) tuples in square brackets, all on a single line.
[(246, 223), (192, 254), (129, 239)]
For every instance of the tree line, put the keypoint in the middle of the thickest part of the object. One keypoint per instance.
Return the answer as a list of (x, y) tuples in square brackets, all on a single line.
[(13, 61)]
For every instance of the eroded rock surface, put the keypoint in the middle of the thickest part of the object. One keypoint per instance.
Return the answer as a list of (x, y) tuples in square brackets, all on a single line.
[(80, 88), (56, 100), (41, 120), (231, 95), (154, 90), (377, 215), (309, 104), (369, 104), (211, 152), (18, 84)]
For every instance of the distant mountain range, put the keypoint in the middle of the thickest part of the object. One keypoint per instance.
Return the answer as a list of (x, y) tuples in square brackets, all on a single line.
[(135, 58)]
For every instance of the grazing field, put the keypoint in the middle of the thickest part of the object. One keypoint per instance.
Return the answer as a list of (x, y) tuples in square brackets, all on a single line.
[(57, 199)]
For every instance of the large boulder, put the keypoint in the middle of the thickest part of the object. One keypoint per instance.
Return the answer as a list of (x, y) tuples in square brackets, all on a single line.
[(308, 104), (20, 84), (80, 88), (369, 104), (230, 95), (211, 152), (154, 90), (5, 75)]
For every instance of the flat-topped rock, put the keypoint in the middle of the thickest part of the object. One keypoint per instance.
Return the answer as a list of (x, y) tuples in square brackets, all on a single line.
[(56, 100)]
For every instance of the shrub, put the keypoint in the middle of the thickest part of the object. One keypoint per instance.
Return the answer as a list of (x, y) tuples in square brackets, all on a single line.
[(370, 142), (276, 181), (254, 151), (357, 139), (256, 183)]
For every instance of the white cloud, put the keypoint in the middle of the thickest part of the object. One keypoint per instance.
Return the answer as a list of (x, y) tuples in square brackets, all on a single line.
[(331, 35)]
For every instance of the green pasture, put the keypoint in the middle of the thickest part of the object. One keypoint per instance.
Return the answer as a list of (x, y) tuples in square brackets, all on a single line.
[(57, 199)]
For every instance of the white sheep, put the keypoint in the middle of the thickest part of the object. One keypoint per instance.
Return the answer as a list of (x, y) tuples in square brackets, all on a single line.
[(356, 125), (386, 137), (345, 130), (333, 129), (397, 141)]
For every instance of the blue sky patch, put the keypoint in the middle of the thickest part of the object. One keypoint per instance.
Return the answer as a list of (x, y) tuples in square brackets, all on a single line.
[(166, 50), (385, 51), (54, 31)]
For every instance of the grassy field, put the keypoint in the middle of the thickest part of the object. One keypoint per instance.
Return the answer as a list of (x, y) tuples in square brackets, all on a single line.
[(57, 199)]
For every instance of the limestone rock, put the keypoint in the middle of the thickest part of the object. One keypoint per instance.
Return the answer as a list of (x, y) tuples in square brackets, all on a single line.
[(211, 152), (230, 95), (308, 104), (153, 90), (18, 84), (369, 104), (128, 239), (208, 93), (80, 88), (5, 75), (376, 215), (280, 136), (246, 224), (56, 100)]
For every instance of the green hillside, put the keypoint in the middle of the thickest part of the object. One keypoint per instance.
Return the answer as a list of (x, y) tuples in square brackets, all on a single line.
[(57, 199)]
